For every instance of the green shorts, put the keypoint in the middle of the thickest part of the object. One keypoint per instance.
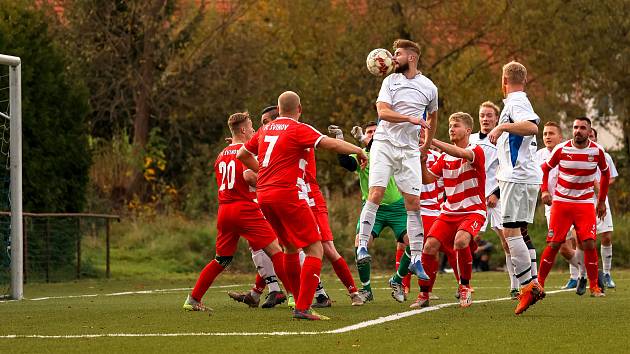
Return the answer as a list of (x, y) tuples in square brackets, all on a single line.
[(392, 215)]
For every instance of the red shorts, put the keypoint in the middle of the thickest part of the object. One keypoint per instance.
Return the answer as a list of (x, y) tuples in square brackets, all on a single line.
[(427, 222), (242, 219), (321, 215), (446, 226), (564, 215), (292, 220)]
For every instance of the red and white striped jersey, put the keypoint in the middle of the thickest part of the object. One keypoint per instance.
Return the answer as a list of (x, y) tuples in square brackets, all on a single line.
[(577, 171), (431, 194), (464, 182)]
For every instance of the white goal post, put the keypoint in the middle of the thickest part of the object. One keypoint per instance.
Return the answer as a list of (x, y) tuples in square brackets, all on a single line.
[(14, 115)]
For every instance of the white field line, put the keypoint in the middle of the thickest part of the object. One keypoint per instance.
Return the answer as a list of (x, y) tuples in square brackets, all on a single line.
[(354, 327), (155, 291)]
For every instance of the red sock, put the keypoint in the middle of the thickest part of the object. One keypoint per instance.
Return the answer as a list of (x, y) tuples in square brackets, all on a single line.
[(207, 276), (278, 265), (430, 264), (292, 270), (343, 273), (464, 265), (452, 261), (590, 262), (259, 285), (546, 262), (406, 281), (309, 279)]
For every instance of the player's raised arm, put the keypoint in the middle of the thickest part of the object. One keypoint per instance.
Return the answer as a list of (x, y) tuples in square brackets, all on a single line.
[(343, 147), (453, 150), (522, 128)]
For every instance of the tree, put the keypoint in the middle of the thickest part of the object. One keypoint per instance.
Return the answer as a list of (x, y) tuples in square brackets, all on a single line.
[(54, 109)]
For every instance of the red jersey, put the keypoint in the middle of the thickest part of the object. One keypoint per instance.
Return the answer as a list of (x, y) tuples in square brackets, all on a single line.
[(315, 198), (430, 194), (229, 173), (577, 171), (464, 182), (281, 146)]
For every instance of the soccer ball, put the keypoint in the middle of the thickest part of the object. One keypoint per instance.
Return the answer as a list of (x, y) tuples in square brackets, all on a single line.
[(380, 62)]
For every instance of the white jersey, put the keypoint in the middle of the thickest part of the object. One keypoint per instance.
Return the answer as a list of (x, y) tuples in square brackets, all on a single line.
[(516, 153), (542, 156), (613, 174), (492, 161), (415, 97)]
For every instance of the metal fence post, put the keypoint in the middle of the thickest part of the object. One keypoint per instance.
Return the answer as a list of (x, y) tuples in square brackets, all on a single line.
[(107, 270), (79, 248)]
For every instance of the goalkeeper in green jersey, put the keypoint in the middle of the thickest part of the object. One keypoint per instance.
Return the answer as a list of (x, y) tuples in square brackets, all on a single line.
[(391, 213)]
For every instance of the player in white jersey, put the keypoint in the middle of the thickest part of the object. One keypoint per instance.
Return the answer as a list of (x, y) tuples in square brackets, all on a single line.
[(552, 136), (488, 119), (406, 99), (518, 175), (605, 225)]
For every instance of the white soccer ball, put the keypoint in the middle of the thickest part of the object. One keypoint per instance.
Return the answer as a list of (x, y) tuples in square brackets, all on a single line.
[(380, 62)]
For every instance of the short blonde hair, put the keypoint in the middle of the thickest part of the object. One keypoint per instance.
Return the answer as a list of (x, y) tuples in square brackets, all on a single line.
[(490, 104), (236, 120), (464, 118), (515, 73)]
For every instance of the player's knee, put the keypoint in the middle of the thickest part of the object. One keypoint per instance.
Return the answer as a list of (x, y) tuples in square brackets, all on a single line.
[(375, 195), (224, 261), (431, 246)]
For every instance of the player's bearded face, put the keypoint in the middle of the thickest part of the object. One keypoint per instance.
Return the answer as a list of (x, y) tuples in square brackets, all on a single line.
[(580, 133), (401, 66)]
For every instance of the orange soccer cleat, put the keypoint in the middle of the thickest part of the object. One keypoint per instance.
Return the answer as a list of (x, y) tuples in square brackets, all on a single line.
[(530, 294)]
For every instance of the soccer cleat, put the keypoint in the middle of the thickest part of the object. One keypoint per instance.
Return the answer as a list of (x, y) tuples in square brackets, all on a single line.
[(308, 315), (245, 298), (580, 289), (193, 305), (421, 301), (398, 291), (363, 256), (366, 295), (322, 301), (356, 299), (465, 296), (274, 298), (291, 301), (608, 280), (515, 294), (597, 292), (432, 296), (530, 294), (416, 268), (571, 284)]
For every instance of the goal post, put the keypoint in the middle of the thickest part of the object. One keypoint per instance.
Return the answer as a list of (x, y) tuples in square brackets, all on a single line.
[(14, 115)]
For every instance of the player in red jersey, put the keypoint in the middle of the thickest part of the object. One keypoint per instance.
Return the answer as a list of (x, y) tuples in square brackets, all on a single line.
[(281, 147), (238, 215), (320, 210), (462, 168), (572, 205)]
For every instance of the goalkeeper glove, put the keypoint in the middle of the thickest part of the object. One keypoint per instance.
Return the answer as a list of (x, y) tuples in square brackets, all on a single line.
[(357, 133), (333, 129)]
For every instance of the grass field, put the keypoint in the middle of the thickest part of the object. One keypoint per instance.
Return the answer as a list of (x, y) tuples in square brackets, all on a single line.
[(118, 311)]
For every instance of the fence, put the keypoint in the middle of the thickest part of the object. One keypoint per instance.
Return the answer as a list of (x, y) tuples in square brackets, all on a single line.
[(65, 246)]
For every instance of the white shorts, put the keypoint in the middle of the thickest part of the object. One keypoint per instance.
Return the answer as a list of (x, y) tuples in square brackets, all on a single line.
[(605, 224), (493, 217), (518, 201), (404, 164)]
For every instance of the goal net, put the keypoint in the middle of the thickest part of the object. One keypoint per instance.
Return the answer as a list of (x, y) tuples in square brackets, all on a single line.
[(11, 252)]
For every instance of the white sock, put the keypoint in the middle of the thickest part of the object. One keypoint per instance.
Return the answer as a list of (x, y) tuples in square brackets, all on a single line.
[(580, 256), (320, 290), (510, 269), (574, 265), (534, 271), (415, 231), (606, 252), (264, 266), (366, 222), (520, 258)]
